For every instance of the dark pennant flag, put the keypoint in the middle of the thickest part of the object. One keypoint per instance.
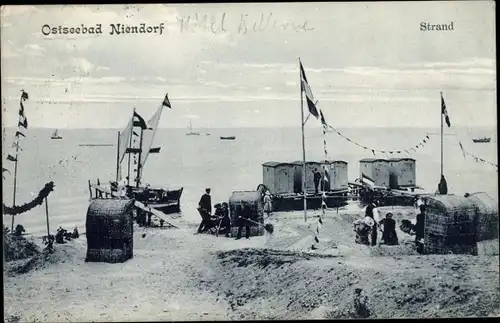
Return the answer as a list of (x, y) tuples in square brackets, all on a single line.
[(304, 86), (444, 111), (166, 102)]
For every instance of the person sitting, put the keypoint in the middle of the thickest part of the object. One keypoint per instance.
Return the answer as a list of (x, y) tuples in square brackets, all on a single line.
[(389, 234), (363, 228)]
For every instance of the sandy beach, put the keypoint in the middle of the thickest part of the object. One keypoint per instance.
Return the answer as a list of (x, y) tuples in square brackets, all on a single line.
[(176, 275)]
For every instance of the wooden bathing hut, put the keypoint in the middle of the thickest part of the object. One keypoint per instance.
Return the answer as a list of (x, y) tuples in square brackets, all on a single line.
[(402, 172), (377, 169), (253, 200), (337, 175), (298, 170), (454, 224), (109, 230), (278, 177)]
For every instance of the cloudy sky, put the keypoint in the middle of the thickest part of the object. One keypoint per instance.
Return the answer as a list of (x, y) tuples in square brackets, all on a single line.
[(367, 64)]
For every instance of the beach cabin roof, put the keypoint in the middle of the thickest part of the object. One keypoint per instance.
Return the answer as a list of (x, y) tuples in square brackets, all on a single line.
[(300, 162), (275, 164), (333, 162), (372, 160), (401, 159)]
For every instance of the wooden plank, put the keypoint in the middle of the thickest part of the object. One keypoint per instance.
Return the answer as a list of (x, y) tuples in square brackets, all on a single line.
[(157, 213)]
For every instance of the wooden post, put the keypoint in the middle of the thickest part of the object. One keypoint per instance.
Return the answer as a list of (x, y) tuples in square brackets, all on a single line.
[(15, 186), (90, 190), (47, 217)]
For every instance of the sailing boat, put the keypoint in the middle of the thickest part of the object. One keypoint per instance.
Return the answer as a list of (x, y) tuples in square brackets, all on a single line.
[(191, 133), (55, 135), (136, 141), (138, 131)]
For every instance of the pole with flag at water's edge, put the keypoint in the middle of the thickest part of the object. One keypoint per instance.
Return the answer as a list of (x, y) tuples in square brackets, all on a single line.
[(441, 115), (303, 145), (118, 158)]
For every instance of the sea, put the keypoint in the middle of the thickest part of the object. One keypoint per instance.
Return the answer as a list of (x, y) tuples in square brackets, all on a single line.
[(206, 161)]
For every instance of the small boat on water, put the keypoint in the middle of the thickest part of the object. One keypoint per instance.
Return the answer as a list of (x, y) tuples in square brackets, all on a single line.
[(56, 135), (228, 138), (482, 140), (191, 133)]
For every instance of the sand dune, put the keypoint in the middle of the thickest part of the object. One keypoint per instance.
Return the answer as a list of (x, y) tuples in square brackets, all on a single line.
[(176, 275)]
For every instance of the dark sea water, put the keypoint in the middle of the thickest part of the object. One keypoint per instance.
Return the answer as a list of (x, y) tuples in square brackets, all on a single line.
[(197, 162)]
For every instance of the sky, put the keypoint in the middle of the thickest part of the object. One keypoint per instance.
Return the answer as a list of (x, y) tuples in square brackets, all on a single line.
[(368, 64)]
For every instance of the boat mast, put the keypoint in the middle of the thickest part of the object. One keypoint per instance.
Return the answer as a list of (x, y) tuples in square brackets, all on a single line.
[(130, 146), (139, 159), (303, 146)]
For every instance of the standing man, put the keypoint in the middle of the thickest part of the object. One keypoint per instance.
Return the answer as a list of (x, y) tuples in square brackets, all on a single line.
[(243, 215), (317, 179), (205, 207), (372, 212), (419, 226)]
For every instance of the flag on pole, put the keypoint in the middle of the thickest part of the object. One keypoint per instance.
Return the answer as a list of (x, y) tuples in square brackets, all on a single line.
[(304, 86), (367, 180), (140, 121), (11, 158), (444, 111), (166, 102)]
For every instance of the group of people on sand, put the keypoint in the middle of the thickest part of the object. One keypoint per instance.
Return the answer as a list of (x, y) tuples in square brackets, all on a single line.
[(221, 219), (366, 229)]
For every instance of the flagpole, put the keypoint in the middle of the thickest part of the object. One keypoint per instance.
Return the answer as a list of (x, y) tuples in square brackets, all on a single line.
[(15, 185), (303, 146), (118, 158), (441, 115)]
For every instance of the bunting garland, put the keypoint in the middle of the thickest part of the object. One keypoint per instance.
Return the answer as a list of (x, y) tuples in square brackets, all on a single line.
[(22, 126), (18, 209), (408, 150), (323, 190), (476, 158)]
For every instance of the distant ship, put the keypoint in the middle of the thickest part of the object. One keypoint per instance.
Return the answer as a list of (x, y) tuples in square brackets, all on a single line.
[(228, 138), (191, 133), (482, 140), (55, 135)]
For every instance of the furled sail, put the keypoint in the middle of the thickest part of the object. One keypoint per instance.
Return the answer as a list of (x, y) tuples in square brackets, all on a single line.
[(149, 135)]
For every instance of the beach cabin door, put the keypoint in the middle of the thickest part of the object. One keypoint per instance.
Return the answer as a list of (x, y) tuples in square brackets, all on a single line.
[(393, 181)]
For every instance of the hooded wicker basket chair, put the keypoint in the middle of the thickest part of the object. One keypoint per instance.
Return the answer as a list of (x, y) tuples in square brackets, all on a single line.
[(109, 230), (454, 224)]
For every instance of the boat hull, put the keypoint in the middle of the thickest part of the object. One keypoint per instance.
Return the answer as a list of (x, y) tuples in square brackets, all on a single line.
[(166, 201), (481, 140), (227, 138)]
